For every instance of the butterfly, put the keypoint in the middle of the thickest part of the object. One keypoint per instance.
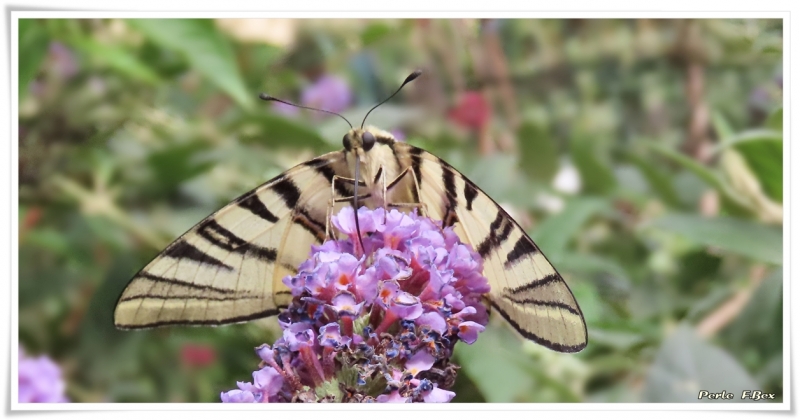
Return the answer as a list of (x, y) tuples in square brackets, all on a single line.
[(229, 267)]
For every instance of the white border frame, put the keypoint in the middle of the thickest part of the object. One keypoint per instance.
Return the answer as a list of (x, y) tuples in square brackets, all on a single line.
[(317, 12)]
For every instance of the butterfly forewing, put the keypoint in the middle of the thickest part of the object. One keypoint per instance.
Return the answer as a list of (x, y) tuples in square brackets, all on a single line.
[(526, 289), (228, 268)]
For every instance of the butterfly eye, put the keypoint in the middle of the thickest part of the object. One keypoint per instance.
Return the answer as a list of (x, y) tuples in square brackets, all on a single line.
[(346, 143), (367, 140)]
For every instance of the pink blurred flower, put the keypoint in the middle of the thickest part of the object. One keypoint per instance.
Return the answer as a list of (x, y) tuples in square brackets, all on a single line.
[(472, 111), (198, 355)]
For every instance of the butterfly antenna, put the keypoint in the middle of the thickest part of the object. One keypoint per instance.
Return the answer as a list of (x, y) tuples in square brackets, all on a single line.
[(408, 80), (268, 98), (355, 204)]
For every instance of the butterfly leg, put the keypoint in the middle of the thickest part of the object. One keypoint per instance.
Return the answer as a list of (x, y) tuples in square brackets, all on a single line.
[(332, 201), (420, 205)]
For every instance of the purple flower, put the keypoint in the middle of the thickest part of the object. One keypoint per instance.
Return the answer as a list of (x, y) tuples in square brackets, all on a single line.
[(379, 325), (392, 397), (406, 306), (420, 362), (433, 394), (298, 335), (329, 93), (468, 331), (367, 220), (285, 109), (266, 353), (345, 304), (398, 134), (40, 380), (64, 63), (237, 396), (330, 336), (434, 320), (266, 384)]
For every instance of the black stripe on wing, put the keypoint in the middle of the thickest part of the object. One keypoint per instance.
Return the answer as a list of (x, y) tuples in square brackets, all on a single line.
[(547, 303), (184, 250), (523, 247), (210, 322), (177, 282), (499, 231), (537, 339), (287, 190), (187, 297), (253, 204)]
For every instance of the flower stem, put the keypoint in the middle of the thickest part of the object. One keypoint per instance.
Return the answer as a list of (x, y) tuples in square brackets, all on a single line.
[(347, 325), (314, 367)]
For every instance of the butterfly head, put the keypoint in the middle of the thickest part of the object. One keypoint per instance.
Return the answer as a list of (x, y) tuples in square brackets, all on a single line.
[(364, 139)]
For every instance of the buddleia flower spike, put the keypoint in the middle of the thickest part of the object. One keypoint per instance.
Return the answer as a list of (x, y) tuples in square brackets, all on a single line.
[(377, 327)]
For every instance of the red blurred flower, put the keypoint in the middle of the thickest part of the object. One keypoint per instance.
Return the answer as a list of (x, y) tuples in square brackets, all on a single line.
[(32, 217), (472, 111), (198, 355)]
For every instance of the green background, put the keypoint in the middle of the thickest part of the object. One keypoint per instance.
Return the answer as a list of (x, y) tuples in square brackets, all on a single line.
[(131, 131)]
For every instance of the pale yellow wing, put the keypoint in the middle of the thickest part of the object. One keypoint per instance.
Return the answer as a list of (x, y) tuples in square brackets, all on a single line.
[(228, 268), (525, 288)]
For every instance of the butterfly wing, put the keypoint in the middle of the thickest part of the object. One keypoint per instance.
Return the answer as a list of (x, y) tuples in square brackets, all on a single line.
[(228, 268), (525, 288)]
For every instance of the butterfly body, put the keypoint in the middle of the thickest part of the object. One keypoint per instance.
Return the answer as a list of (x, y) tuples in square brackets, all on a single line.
[(229, 267)]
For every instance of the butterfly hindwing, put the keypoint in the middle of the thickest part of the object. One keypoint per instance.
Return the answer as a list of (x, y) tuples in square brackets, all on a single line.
[(228, 268), (525, 288)]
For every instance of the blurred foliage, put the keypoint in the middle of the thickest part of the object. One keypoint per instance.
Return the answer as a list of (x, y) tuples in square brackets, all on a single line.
[(644, 157)]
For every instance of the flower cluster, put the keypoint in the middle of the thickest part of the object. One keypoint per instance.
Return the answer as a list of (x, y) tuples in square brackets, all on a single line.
[(375, 316), (40, 380)]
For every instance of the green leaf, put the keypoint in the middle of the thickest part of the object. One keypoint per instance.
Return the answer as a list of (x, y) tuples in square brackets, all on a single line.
[(118, 59), (619, 340), (496, 365), (721, 126), (539, 157), (589, 300), (775, 120), (658, 180), (765, 159), (99, 328), (176, 164), (686, 364), (696, 267), (762, 149), (742, 237), (275, 131), (204, 47), (592, 264), (750, 136), (759, 325), (555, 232), (374, 33), (33, 43), (705, 174), (596, 176), (50, 240)]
